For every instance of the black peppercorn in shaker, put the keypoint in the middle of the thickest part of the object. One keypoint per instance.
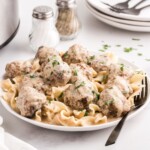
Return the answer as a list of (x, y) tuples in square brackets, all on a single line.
[(68, 24)]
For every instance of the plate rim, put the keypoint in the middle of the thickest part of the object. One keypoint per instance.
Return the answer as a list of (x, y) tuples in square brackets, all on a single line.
[(119, 20), (117, 24), (81, 128), (123, 16)]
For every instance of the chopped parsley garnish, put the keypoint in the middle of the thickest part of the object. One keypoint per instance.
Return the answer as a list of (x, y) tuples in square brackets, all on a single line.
[(97, 95), (121, 67), (61, 95), (81, 84), (140, 45), (92, 57), (127, 50), (75, 72), (86, 113), (135, 39), (102, 50), (65, 55), (139, 54), (49, 100), (109, 102), (118, 45), (147, 59), (55, 62), (105, 47), (105, 79), (32, 76)]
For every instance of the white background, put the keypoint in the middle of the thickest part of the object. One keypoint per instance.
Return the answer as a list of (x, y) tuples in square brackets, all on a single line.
[(136, 132)]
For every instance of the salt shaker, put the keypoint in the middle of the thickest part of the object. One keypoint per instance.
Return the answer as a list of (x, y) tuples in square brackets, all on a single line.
[(68, 24), (44, 32)]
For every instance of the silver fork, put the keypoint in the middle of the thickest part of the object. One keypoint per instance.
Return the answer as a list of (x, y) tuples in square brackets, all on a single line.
[(123, 5), (139, 101), (131, 11)]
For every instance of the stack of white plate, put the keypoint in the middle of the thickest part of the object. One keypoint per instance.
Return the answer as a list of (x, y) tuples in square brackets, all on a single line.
[(140, 22)]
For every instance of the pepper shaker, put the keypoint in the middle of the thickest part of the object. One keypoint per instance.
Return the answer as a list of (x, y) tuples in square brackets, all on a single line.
[(68, 24), (44, 32)]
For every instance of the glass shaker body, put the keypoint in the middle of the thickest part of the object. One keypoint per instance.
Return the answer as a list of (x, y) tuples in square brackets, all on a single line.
[(43, 33), (68, 24)]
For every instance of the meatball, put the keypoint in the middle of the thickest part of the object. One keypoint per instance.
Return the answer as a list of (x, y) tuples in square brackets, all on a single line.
[(76, 54), (34, 81), (18, 68), (44, 53), (113, 103), (100, 62), (80, 94), (83, 69), (121, 70), (57, 73), (29, 101), (122, 84)]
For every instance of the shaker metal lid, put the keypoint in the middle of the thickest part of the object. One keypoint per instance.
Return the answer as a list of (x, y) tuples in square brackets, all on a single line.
[(42, 12), (65, 3)]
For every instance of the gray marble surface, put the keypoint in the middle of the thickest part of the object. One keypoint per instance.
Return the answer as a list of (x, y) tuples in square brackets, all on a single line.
[(136, 132)]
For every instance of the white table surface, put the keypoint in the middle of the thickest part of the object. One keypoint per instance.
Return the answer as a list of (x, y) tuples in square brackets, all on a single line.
[(136, 132)]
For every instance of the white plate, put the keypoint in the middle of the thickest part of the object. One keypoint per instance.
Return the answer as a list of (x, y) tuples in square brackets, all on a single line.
[(143, 16), (119, 20), (75, 129), (117, 24)]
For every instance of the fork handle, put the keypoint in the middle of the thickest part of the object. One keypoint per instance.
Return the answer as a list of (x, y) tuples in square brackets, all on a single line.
[(116, 131), (140, 2)]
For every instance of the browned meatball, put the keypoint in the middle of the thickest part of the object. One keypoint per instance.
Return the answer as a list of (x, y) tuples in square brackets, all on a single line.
[(83, 69), (29, 101), (76, 54), (80, 94), (122, 84), (18, 68), (44, 53), (121, 70), (34, 81), (99, 62), (113, 103), (57, 72)]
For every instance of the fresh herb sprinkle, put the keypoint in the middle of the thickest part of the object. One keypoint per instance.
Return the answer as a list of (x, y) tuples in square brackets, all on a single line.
[(32, 76), (61, 95), (86, 113), (81, 84), (92, 57), (105, 79), (55, 62), (139, 54), (65, 55), (75, 72), (127, 50), (97, 95), (140, 45), (109, 102), (135, 39), (147, 59), (106, 46), (118, 45), (121, 67)]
